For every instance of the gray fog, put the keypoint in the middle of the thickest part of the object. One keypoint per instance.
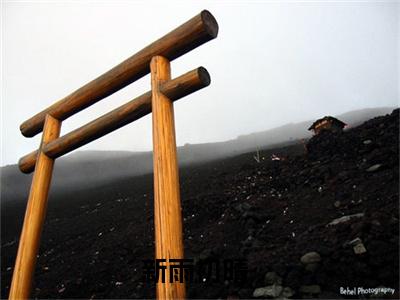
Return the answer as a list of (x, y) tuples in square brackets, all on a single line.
[(273, 63)]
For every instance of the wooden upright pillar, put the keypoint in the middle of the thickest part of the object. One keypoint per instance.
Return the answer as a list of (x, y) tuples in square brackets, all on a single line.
[(167, 205), (34, 216)]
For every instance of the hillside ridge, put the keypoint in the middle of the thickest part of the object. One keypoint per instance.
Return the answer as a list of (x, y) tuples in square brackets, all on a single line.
[(306, 225)]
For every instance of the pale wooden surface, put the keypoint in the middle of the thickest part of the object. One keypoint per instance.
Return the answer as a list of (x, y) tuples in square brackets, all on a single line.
[(195, 32), (167, 205), (133, 110), (34, 216)]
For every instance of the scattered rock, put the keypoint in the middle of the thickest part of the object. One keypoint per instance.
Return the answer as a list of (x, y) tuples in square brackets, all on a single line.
[(269, 291), (340, 171), (287, 292), (359, 249), (367, 142), (345, 219), (310, 258), (355, 242), (272, 278), (374, 168), (357, 245), (9, 243), (139, 286)]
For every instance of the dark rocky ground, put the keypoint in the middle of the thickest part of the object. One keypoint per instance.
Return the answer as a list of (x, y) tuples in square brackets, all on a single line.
[(271, 213)]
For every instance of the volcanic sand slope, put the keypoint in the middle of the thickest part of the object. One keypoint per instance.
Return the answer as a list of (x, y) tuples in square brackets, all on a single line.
[(81, 170), (271, 213)]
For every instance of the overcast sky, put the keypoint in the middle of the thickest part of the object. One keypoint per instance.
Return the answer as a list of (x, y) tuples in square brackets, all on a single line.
[(272, 63)]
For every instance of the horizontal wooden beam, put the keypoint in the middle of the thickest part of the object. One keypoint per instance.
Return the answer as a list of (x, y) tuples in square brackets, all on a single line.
[(125, 114), (183, 39)]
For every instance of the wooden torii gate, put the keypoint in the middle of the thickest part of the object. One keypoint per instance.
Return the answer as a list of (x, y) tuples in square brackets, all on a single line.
[(154, 59)]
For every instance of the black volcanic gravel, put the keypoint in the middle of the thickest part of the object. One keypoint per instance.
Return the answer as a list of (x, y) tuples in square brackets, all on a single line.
[(270, 212)]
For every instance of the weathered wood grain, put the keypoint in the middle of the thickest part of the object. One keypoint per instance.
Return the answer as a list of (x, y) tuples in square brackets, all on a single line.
[(125, 114), (167, 204), (34, 216), (195, 32)]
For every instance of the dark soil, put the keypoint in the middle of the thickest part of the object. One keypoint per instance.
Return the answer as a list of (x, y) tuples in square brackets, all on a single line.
[(271, 213)]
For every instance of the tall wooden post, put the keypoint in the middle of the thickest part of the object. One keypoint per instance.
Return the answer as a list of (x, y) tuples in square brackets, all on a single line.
[(167, 206), (34, 216)]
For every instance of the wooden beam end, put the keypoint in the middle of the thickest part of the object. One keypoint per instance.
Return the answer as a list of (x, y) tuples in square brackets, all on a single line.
[(210, 23), (204, 76)]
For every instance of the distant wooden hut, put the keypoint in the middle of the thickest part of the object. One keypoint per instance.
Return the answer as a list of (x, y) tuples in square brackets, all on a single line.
[(327, 123)]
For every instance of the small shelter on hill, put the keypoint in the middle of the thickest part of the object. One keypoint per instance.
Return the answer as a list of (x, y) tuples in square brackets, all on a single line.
[(327, 123)]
